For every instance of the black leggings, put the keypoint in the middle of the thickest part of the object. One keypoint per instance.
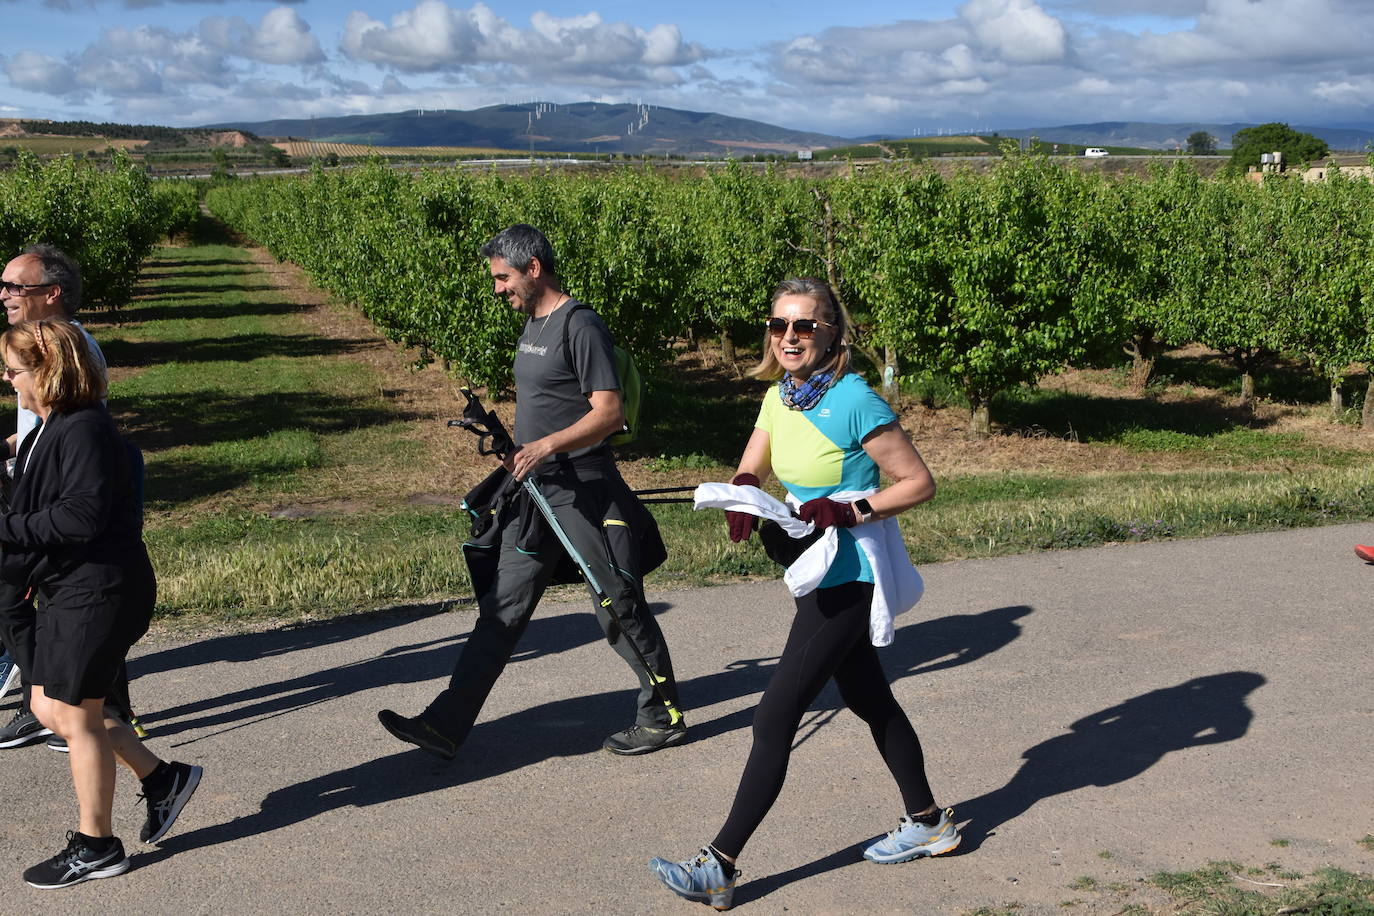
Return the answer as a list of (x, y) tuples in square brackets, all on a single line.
[(829, 638)]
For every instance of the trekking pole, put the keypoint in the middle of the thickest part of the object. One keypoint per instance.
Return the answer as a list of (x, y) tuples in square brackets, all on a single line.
[(671, 499), (487, 425)]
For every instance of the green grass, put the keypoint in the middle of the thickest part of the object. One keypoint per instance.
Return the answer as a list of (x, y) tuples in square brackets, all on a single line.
[(1227, 889), (237, 403), (246, 564), (1215, 889)]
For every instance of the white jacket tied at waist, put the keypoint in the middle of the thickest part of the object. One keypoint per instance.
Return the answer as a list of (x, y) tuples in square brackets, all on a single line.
[(897, 586)]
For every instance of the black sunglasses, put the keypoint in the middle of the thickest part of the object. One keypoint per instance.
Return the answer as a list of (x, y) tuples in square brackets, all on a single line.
[(19, 289), (805, 327)]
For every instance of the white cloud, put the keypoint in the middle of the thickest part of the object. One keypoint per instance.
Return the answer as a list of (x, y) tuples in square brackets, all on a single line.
[(1018, 31), (1345, 92), (965, 87), (37, 72), (428, 37), (435, 37), (136, 61), (1266, 31), (1093, 85), (1122, 9), (281, 37)]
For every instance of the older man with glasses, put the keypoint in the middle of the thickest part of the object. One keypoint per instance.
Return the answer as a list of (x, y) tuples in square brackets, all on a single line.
[(42, 282)]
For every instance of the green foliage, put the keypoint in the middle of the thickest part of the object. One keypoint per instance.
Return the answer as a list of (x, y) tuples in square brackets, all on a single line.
[(1249, 143), (107, 218), (991, 280), (979, 282), (1201, 143)]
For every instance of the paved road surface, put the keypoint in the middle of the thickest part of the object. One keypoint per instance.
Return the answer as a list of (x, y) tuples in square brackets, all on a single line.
[(1106, 713)]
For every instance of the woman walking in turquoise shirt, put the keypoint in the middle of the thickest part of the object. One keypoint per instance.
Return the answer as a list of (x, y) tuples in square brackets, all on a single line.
[(827, 435)]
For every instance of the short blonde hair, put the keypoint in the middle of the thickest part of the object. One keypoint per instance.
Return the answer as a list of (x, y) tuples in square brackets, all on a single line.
[(65, 374), (819, 292)]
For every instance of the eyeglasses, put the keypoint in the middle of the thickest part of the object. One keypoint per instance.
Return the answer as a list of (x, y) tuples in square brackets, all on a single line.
[(11, 373), (805, 327), (20, 289)]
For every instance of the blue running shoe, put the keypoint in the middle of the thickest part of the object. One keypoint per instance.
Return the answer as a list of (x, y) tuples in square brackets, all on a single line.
[(9, 674), (912, 840), (698, 878)]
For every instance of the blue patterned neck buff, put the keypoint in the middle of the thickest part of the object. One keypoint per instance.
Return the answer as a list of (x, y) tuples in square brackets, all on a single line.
[(804, 395)]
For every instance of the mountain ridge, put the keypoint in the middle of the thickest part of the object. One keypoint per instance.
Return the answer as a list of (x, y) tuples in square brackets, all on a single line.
[(658, 130), (549, 127)]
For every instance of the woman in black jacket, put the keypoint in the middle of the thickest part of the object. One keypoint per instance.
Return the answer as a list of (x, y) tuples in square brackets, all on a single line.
[(72, 540)]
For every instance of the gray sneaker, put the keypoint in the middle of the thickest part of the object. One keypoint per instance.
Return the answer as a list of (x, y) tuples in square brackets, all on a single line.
[(698, 878), (23, 729), (912, 840), (645, 739)]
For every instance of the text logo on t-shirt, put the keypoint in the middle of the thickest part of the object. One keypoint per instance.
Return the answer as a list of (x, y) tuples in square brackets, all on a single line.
[(824, 412), (531, 348)]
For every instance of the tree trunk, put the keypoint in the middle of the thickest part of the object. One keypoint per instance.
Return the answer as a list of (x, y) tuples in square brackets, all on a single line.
[(727, 348), (1337, 400), (889, 373), (1247, 386), (980, 417), (1143, 354), (1367, 415)]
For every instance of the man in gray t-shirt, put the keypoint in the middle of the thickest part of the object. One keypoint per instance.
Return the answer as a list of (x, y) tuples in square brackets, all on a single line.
[(567, 404)]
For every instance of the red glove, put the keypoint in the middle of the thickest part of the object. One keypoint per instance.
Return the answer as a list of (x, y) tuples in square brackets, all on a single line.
[(741, 524), (827, 513)]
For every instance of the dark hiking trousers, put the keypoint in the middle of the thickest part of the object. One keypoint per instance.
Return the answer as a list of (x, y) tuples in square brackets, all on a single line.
[(594, 523)]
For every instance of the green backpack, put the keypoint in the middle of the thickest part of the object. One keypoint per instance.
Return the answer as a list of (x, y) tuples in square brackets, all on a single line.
[(631, 383)]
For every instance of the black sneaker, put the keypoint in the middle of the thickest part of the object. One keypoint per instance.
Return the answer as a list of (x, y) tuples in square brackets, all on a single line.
[(59, 744), (645, 739), (418, 732), (23, 729), (166, 804), (77, 863)]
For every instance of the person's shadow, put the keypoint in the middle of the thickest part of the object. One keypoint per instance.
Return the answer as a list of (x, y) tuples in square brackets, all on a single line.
[(919, 648), (567, 726), (1105, 748), (1117, 744)]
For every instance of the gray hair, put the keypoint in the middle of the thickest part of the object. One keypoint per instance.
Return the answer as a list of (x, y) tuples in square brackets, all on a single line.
[(59, 268), (520, 244)]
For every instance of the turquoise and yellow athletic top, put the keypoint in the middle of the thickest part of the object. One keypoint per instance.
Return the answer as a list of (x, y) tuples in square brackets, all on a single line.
[(820, 451)]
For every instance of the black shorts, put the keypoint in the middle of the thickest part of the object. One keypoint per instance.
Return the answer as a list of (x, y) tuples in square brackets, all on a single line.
[(81, 638)]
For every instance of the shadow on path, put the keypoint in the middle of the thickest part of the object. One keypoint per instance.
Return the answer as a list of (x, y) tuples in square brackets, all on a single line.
[(1118, 744), (1106, 748), (407, 663), (566, 726), (919, 648)]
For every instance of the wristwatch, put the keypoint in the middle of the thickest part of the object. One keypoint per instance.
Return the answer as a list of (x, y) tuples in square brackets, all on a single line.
[(862, 510)]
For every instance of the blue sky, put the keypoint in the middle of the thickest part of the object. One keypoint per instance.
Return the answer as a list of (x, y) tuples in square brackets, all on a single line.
[(851, 67)]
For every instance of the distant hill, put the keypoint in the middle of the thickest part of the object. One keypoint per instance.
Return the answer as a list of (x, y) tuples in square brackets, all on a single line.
[(580, 127), (155, 136), (1173, 136)]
